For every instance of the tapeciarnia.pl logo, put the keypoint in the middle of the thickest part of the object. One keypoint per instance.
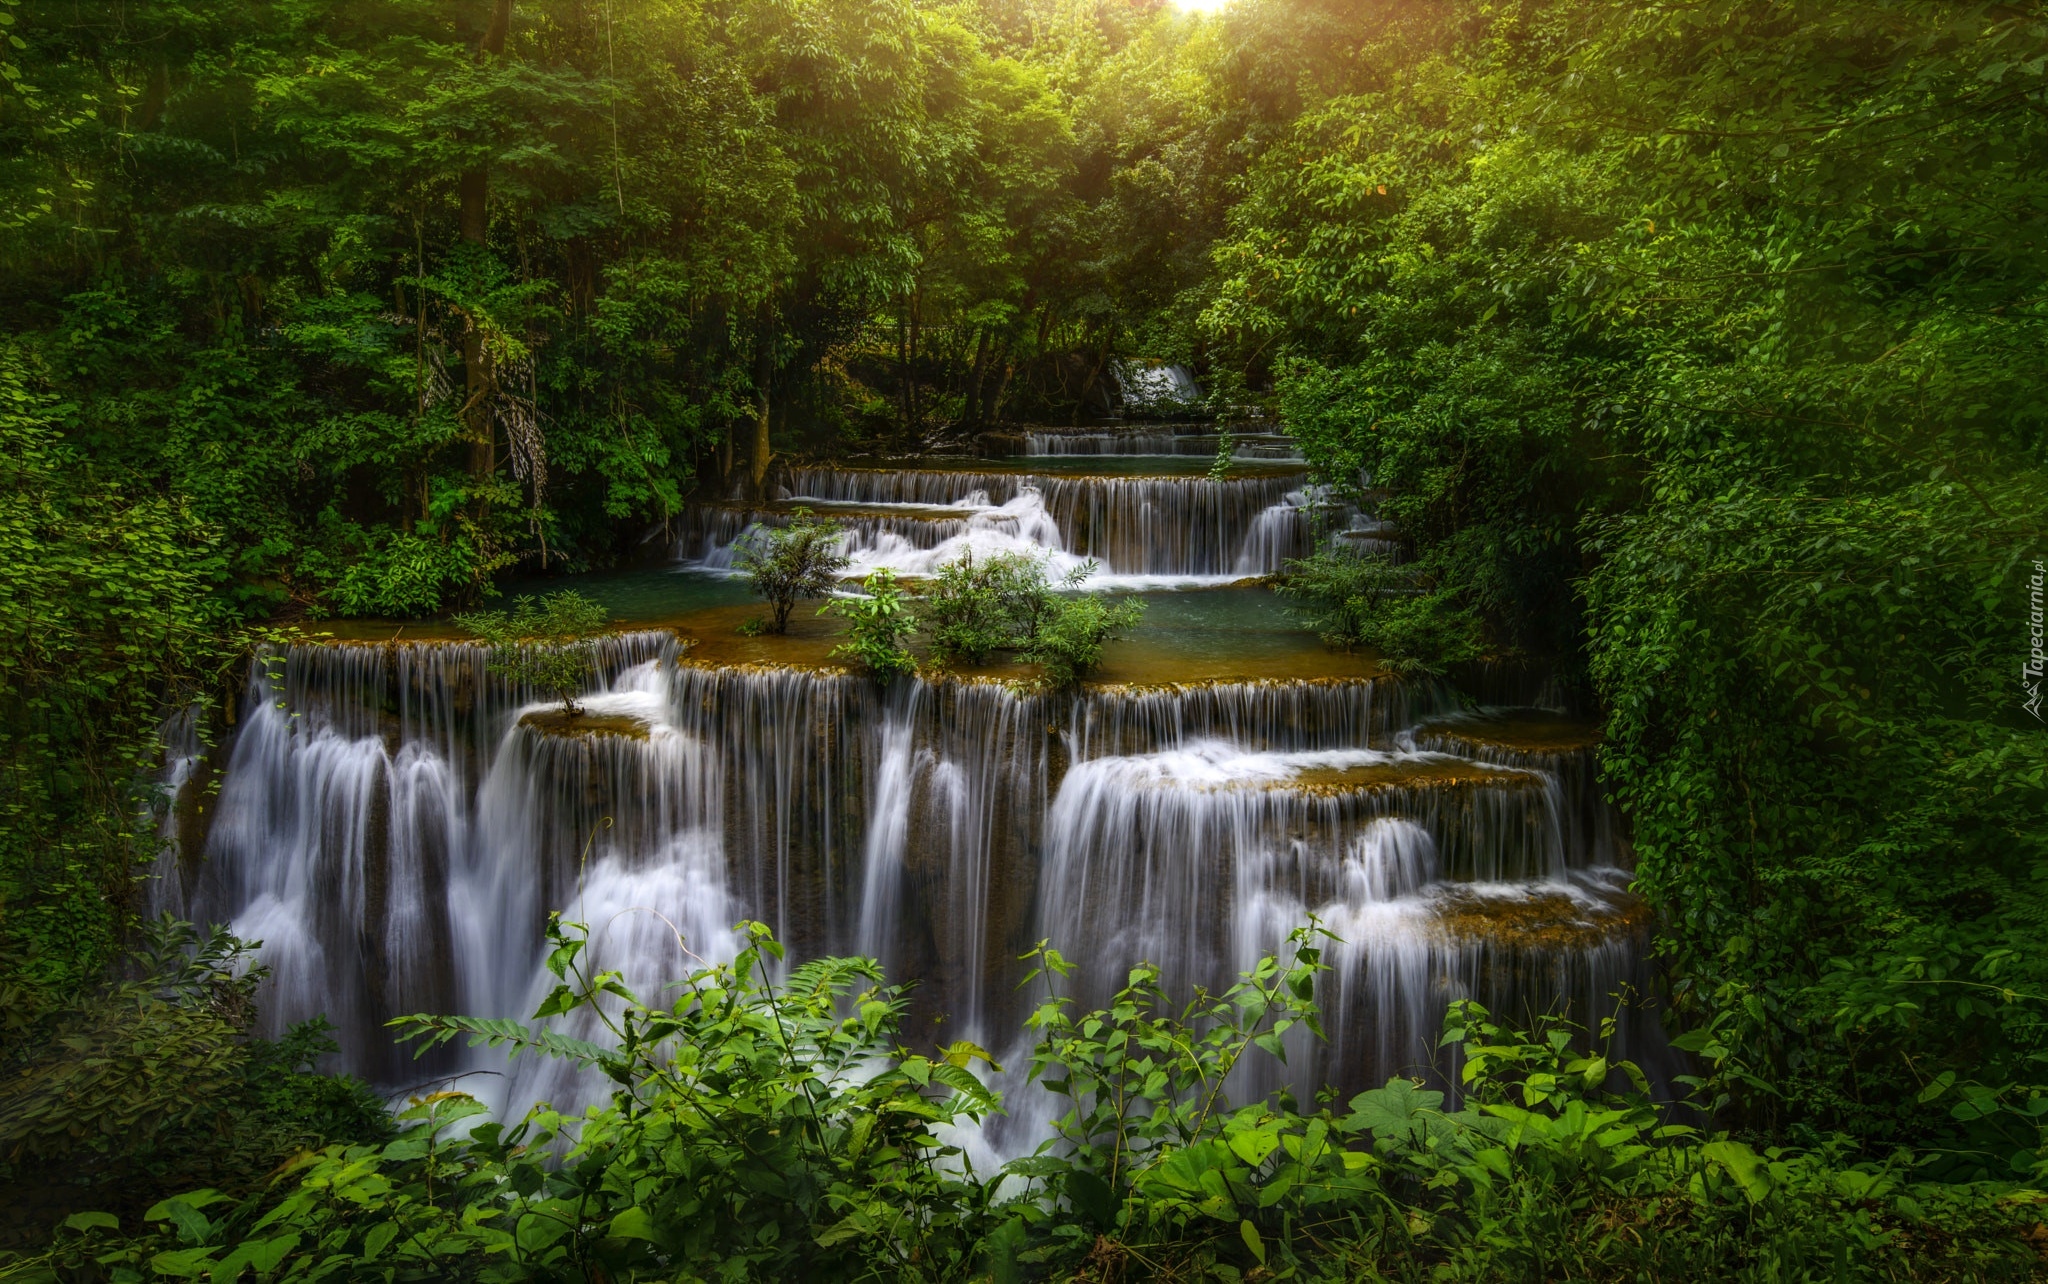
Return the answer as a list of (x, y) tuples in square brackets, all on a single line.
[(2031, 667)]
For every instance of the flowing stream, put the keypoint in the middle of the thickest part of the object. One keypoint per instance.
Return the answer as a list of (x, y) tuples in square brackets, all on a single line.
[(395, 824)]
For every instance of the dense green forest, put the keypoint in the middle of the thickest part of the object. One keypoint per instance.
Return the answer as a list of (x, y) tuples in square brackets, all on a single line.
[(1696, 345)]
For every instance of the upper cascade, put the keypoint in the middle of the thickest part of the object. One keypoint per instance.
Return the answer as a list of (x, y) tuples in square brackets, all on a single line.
[(1167, 524), (1153, 387), (1143, 440)]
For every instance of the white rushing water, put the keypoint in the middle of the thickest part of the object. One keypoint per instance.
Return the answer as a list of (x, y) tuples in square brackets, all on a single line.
[(1151, 386)]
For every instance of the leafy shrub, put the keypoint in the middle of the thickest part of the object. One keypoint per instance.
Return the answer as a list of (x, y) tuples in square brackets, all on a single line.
[(757, 1130), (542, 642), (154, 1085), (976, 608), (877, 626), (1545, 1169), (1353, 601), (1150, 1153), (1068, 640), (403, 575), (787, 564)]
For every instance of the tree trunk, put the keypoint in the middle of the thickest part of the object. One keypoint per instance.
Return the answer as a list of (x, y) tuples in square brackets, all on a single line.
[(970, 401), (479, 383), (994, 396), (910, 370), (903, 358), (1090, 385), (764, 376)]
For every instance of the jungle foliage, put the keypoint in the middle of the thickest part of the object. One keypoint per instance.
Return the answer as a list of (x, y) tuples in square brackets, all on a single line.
[(153, 1083), (1683, 342), (762, 1129)]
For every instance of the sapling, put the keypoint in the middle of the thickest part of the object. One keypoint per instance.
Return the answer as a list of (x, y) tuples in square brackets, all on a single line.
[(542, 643), (791, 563), (1011, 602)]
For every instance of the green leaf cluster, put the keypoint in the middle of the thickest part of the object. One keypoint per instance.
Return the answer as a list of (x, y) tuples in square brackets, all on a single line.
[(879, 624), (1415, 625)]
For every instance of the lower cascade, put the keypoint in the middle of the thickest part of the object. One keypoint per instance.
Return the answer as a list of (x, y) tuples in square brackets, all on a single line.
[(396, 824)]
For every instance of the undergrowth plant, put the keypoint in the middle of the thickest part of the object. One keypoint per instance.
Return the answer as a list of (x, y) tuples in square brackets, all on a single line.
[(773, 1129), (975, 608), (1153, 1166), (757, 1128), (878, 626), (156, 1083), (1416, 623)]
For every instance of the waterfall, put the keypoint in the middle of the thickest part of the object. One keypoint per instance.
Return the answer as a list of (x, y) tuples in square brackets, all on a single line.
[(396, 823), (1277, 716), (1277, 535), (1139, 848), (396, 827), (1151, 386)]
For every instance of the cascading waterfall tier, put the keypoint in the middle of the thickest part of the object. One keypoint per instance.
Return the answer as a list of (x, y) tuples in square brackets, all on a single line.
[(1184, 526), (396, 825), (1540, 741)]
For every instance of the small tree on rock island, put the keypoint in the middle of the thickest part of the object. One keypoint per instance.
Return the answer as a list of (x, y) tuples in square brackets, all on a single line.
[(790, 563), (542, 643)]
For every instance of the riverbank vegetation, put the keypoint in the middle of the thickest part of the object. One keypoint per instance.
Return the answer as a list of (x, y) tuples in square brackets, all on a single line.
[(1692, 349)]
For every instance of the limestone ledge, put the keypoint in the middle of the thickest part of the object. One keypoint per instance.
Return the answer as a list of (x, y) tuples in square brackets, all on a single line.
[(1521, 731), (1539, 919), (560, 722)]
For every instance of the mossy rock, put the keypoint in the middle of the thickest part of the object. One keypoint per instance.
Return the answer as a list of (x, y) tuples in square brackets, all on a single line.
[(561, 722)]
